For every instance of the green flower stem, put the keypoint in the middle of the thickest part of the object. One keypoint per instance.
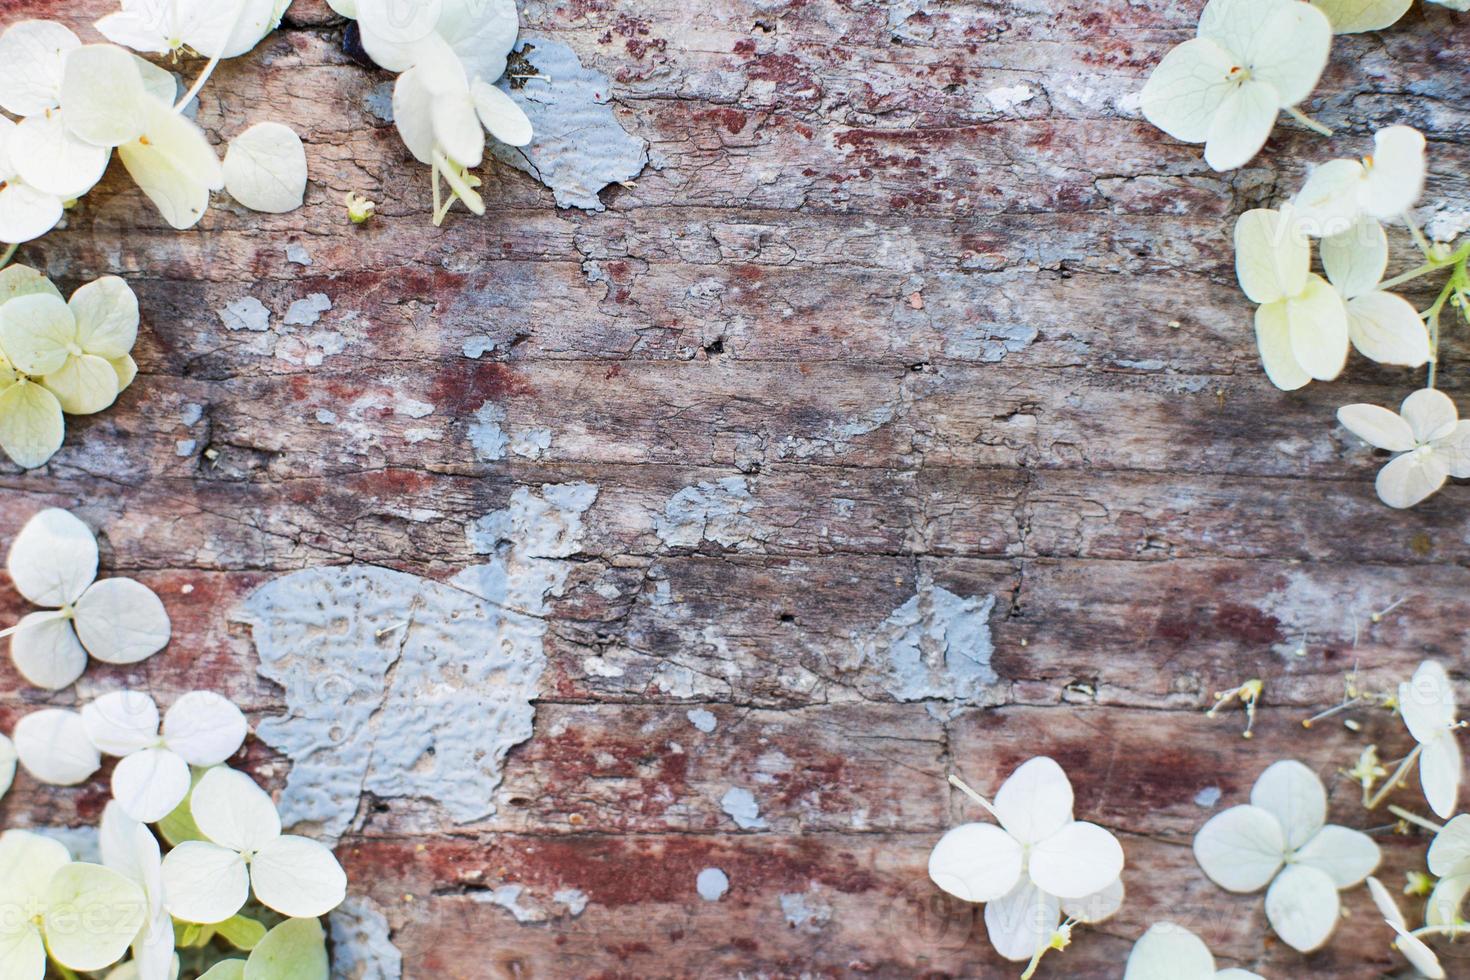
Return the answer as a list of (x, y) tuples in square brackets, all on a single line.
[(1308, 121), (1398, 774), (66, 972), (7, 255), (1431, 265)]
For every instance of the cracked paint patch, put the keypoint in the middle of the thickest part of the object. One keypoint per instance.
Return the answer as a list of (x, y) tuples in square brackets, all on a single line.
[(361, 946), (403, 687), (306, 312), (702, 719), (712, 883), (579, 148), (526, 908), (936, 646), (741, 806), (492, 441), (805, 911), (711, 511), (246, 313)]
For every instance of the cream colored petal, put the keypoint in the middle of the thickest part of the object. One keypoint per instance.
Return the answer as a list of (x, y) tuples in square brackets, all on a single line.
[(1377, 426), (53, 559), (31, 426), (1302, 906), (1293, 794), (1327, 204), (26, 213), (36, 333), (31, 57), (121, 621), (1273, 338), (84, 385), (413, 115), (106, 311), (46, 651), (92, 916), (1386, 328), (53, 747), (1396, 177), (1241, 125), (501, 116), (1430, 413), (174, 165), (1409, 479), (265, 168), (1272, 256), (49, 158), (1356, 259), (1358, 16), (1318, 323), (102, 95), (1288, 50)]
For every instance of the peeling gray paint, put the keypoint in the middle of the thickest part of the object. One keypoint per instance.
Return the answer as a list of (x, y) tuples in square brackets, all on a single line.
[(579, 147), (741, 806), (701, 719), (712, 883), (404, 687), (246, 313), (526, 908), (935, 646), (82, 843), (491, 440), (297, 255), (379, 101), (1207, 797), (479, 345), (711, 511), (988, 343), (804, 911), (361, 947), (306, 312)]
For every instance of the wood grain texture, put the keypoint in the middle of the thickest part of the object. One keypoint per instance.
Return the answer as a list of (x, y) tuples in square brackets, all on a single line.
[(946, 335)]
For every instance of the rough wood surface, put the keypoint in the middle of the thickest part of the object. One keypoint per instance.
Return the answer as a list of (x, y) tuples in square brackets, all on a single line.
[(939, 335)]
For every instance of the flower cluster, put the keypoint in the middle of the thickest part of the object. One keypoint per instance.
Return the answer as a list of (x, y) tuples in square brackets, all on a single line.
[(53, 563), (1037, 865), (229, 872), (448, 54), (59, 356), (78, 103)]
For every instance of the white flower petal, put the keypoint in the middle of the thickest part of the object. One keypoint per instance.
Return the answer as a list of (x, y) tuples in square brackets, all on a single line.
[(27, 862), (1327, 204), (1078, 860), (150, 784), (53, 559), (457, 128), (52, 745), (22, 952), (7, 765), (1098, 906), (298, 877), (1377, 426), (1273, 337), (1169, 952), (413, 106), (46, 651), (392, 33), (1022, 921), (265, 168), (92, 916), (1386, 328), (22, 280), (1387, 906), (49, 158), (240, 25), (160, 84), (1453, 450), (1240, 849), (133, 29), (102, 95), (126, 369), (1396, 178), (1036, 801), (1443, 906), (1242, 124), (26, 213), (1293, 794), (203, 882), (1451, 847), (976, 862), (1288, 49), (482, 33), (1356, 259), (231, 810), (31, 56), (1358, 16), (35, 331), (1184, 92), (501, 116), (1272, 256), (106, 312), (176, 168), (121, 621), (1233, 23), (1318, 323), (83, 385), (1347, 856), (1419, 955), (204, 728), (131, 850), (1439, 773), (1409, 479), (153, 951), (1429, 412), (122, 722), (1302, 907)]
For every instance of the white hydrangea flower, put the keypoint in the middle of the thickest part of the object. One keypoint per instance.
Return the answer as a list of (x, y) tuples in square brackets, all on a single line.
[(481, 33), (1302, 322), (1358, 16), (108, 101), (32, 56), (1038, 864), (1382, 186), (1225, 87), (53, 563), (1282, 839), (131, 850), (208, 881), (1427, 704), (26, 212), (80, 350), (52, 744), (1383, 326), (209, 27), (1419, 955), (43, 896), (201, 729), (1171, 952), (7, 765), (1449, 861), (1432, 443)]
